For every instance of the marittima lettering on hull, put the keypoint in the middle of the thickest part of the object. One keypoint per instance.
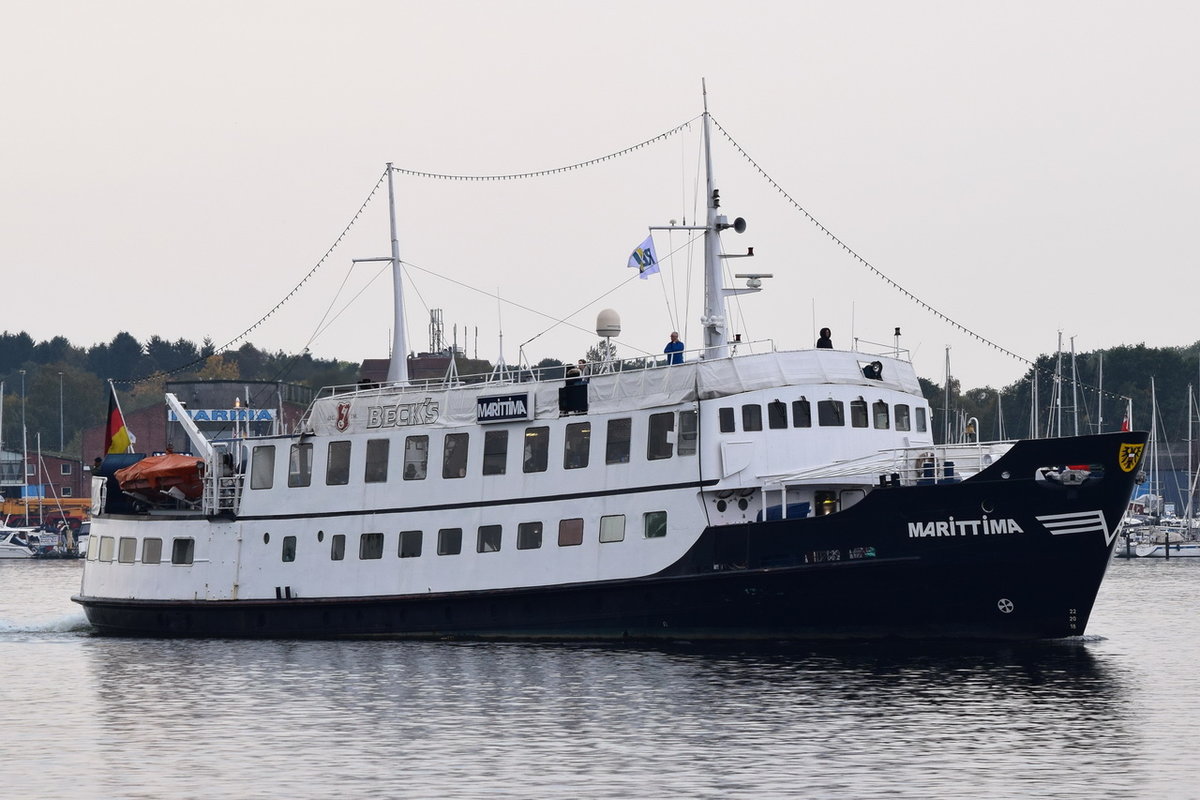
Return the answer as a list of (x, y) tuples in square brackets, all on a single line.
[(638, 503)]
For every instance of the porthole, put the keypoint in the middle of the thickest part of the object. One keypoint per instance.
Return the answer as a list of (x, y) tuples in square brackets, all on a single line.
[(743, 504), (320, 536), (1006, 475), (722, 505), (987, 506), (266, 538)]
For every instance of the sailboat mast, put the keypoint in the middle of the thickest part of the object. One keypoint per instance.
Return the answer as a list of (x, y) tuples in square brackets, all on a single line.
[(398, 366)]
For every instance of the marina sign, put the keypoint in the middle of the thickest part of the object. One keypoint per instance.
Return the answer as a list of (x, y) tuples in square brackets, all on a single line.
[(226, 415)]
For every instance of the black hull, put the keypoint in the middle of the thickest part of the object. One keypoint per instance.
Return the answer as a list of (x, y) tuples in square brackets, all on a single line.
[(861, 573)]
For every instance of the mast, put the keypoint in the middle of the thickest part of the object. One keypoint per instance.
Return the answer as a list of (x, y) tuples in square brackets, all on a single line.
[(1074, 388), (713, 321), (398, 367)]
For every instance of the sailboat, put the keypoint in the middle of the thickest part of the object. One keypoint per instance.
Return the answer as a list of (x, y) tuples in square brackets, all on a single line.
[(745, 493)]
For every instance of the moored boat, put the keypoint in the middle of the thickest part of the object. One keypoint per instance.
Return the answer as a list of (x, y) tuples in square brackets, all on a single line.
[(748, 493)]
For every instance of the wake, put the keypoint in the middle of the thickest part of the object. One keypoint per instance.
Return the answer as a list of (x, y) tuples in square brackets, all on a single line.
[(74, 622)]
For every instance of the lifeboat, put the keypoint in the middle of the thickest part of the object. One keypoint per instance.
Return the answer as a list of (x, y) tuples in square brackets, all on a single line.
[(175, 475)]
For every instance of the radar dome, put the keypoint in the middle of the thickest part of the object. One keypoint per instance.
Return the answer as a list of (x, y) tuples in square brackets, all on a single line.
[(608, 324)]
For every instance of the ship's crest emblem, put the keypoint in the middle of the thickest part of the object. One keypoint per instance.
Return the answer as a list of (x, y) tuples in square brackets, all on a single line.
[(1129, 456), (343, 417)]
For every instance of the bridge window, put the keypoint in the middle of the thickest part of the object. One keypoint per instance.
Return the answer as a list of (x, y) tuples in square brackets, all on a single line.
[(858, 413), (776, 415), (801, 413), (922, 424), (126, 550), (903, 418), (725, 417), (879, 412), (752, 417), (831, 413)]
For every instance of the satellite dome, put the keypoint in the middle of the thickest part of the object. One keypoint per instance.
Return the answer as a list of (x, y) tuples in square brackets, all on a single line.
[(608, 324)]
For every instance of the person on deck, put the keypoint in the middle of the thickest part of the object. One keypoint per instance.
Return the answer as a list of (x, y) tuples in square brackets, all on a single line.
[(825, 341), (674, 349)]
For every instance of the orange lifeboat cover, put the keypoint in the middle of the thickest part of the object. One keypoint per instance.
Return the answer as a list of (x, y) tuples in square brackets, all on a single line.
[(160, 473)]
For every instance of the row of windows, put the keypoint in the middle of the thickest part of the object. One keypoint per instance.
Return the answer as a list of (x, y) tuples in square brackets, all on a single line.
[(662, 442), (182, 550), (488, 539), (830, 413)]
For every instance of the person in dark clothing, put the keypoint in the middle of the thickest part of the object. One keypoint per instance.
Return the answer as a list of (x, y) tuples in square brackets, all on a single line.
[(674, 349), (825, 341)]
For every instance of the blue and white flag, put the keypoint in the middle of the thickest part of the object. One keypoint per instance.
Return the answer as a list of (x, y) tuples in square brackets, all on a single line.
[(643, 258)]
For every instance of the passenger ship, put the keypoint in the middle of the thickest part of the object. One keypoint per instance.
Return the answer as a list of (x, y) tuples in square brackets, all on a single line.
[(777, 495)]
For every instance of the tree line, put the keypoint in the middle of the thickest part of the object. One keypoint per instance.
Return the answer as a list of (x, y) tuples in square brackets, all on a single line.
[(65, 386)]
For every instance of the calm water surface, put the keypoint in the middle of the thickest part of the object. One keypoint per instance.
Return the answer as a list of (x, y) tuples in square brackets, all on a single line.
[(1114, 714)]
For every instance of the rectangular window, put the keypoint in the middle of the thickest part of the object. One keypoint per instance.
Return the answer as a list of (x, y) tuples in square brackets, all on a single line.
[(337, 547), (416, 458), (151, 550), (879, 413), (903, 419), (337, 467), (289, 549), (495, 452), (410, 543), (752, 417), (370, 546), (529, 536), (831, 413), (66, 491), (922, 425), (300, 465), (801, 413), (489, 539), (107, 544), (655, 524), (64, 469), (688, 433), (449, 541), (126, 550), (377, 461), (616, 445), (612, 528), (262, 467), (776, 415), (660, 441), (578, 445), (537, 449), (858, 413), (725, 416), (570, 532), (182, 551), (454, 456)]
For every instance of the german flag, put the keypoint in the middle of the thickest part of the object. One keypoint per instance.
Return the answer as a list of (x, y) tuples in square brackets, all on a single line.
[(117, 438)]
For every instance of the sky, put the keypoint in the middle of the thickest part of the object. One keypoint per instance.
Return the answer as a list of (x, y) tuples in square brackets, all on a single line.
[(1028, 169)]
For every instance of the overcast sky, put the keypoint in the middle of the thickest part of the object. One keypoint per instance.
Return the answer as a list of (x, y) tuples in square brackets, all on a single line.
[(1025, 168)]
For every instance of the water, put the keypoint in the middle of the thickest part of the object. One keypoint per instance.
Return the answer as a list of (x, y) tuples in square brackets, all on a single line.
[(1110, 715)]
